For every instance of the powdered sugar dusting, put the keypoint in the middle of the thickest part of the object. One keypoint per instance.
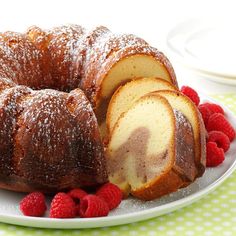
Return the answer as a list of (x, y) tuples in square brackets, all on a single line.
[(23, 57), (185, 146), (48, 122), (103, 44), (181, 120), (61, 46), (54, 129)]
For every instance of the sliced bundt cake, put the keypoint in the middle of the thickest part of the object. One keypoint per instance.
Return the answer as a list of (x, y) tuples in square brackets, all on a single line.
[(152, 149), (51, 129)]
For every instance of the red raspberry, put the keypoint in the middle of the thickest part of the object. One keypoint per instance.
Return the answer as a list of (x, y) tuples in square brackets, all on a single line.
[(93, 206), (111, 194), (218, 122), (214, 108), (191, 93), (215, 155), (33, 204), (220, 139), (205, 111), (77, 194), (62, 206)]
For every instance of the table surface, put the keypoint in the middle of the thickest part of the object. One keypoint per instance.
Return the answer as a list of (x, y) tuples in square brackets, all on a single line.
[(152, 19)]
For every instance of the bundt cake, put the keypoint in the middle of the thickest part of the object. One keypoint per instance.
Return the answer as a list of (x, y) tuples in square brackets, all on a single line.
[(154, 146), (55, 89)]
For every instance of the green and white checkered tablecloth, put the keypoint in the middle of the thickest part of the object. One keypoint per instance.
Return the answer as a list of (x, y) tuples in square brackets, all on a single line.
[(215, 214)]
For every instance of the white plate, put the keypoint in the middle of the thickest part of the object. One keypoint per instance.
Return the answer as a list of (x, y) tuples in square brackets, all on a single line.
[(215, 78), (206, 45), (130, 210)]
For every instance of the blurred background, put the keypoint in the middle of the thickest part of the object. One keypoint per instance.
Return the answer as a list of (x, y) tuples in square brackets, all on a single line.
[(197, 36)]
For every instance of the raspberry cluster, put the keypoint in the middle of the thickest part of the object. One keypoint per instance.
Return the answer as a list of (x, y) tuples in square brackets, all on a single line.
[(75, 203), (220, 131)]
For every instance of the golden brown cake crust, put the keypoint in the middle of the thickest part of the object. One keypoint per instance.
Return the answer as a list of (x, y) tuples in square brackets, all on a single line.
[(167, 183)]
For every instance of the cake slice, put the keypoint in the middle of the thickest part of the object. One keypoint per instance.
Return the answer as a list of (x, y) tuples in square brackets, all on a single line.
[(183, 104), (152, 149), (126, 95), (141, 151)]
